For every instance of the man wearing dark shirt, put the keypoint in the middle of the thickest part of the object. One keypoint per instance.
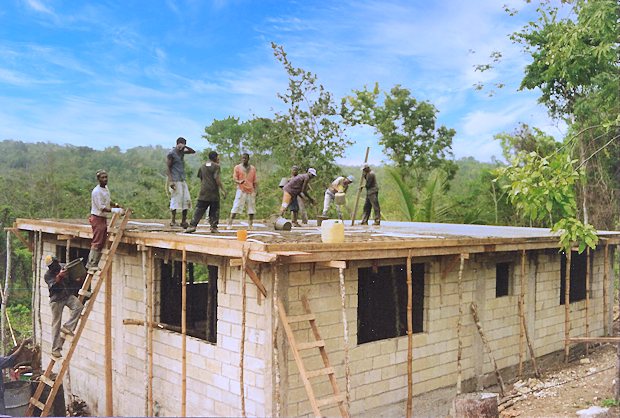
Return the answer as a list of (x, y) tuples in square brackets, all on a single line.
[(372, 195), (179, 192), (209, 197), (61, 295), (6, 362)]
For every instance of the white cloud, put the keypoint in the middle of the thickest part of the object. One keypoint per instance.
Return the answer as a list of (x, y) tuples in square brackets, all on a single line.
[(39, 6)]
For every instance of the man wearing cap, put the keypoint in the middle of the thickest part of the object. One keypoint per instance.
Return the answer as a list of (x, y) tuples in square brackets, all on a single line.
[(340, 185), (179, 193), (61, 295), (209, 197), (372, 195), (244, 175), (297, 187), (100, 204)]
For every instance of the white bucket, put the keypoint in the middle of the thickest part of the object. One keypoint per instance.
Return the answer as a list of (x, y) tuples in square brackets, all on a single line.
[(332, 231), (340, 199)]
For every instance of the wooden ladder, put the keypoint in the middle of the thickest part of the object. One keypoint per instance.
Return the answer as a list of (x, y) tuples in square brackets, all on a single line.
[(115, 234), (328, 371)]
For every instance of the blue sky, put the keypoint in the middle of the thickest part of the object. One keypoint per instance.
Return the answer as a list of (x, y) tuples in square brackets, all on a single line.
[(128, 73)]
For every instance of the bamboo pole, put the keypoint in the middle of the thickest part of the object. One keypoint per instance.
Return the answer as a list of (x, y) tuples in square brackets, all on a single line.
[(149, 341), (109, 405), (522, 314), (345, 331), (487, 346), (145, 301), (567, 306), (244, 259), (5, 294), (68, 250), (276, 325), (184, 335), (526, 335), (617, 334), (605, 284), (409, 338), (39, 287), (359, 191), (458, 329), (35, 251), (587, 299)]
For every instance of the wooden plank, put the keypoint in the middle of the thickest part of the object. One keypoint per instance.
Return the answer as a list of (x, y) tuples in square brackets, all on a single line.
[(613, 340), (331, 400), (311, 344), (320, 372), (300, 365), (17, 233), (184, 335), (64, 237), (300, 318), (332, 264), (257, 281)]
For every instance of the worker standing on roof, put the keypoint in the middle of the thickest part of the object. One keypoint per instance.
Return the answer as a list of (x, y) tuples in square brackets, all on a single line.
[(244, 174), (209, 197), (100, 204), (372, 195), (340, 185), (179, 193), (61, 295), (294, 188), (297, 205)]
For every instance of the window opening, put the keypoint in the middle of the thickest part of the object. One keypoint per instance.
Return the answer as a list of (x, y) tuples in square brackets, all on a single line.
[(201, 302), (382, 302), (502, 279), (577, 279)]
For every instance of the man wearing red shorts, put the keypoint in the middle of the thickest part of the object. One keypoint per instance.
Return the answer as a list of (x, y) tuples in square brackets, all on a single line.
[(100, 204)]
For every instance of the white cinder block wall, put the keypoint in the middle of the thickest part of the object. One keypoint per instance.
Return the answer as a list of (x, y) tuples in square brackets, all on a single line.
[(378, 369), (213, 376)]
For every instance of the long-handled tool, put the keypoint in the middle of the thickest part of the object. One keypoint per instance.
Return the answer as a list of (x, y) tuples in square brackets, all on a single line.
[(359, 191)]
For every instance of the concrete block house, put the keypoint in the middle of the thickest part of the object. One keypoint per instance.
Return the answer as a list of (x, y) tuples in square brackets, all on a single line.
[(236, 357)]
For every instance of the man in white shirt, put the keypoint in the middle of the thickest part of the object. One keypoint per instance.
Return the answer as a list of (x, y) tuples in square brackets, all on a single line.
[(99, 206), (340, 185)]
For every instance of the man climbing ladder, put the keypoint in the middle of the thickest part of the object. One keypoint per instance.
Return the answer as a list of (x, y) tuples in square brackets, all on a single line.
[(116, 230)]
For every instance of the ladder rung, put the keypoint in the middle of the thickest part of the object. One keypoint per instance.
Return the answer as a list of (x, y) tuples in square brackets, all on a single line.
[(84, 293), (38, 404), (320, 372), (301, 318), (49, 382), (311, 344), (330, 400), (105, 251)]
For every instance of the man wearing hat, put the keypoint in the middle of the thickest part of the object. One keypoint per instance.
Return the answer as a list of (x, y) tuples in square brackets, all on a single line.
[(340, 185), (297, 186), (61, 295), (100, 204), (179, 192), (372, 195)]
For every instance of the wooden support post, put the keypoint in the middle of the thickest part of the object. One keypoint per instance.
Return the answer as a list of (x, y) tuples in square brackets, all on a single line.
[(459, 368), (68, 250), (605, 285), (276, 325), (487, 346), (567, 306), (345, 332), (35, 283), (409, 338), (109, 385), (5, 294), (244, 259), (149, 341), (26, 243), (522, 314), (359, 191), (184, 335), (145, 301), (587, 299)]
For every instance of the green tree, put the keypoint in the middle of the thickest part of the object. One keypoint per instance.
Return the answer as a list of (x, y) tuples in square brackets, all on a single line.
[(310, 132), (407, 130), (526, 139)]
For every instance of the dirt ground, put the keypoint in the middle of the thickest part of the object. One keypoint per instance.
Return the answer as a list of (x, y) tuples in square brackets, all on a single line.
[(566, 389)]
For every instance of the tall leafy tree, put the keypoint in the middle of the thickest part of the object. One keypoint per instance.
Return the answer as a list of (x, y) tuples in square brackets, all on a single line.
[(407, 130)]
